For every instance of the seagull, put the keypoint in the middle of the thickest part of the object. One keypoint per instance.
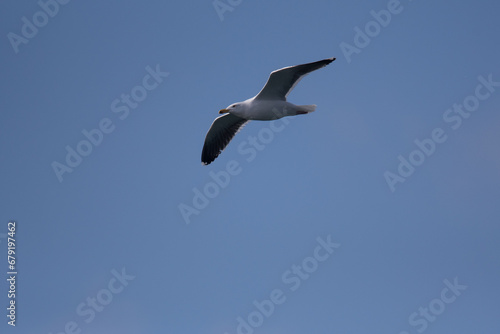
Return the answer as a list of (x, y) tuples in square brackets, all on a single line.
[(269, 104)]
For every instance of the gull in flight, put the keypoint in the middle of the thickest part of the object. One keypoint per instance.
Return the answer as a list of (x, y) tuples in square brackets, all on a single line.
[(268, 105)]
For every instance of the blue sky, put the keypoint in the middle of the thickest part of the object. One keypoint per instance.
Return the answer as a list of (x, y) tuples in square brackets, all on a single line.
[(105, 248)]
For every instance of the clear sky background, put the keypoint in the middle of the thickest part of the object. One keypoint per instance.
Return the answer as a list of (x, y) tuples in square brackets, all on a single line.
[(321, 176)]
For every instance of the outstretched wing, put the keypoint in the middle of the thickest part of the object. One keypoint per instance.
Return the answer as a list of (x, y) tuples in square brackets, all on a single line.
[(282, 81), (220, 134)]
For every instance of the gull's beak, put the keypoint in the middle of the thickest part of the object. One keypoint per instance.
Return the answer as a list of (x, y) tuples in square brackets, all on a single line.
[(223, 111)]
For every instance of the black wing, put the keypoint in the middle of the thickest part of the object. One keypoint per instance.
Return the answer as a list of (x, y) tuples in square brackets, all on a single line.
[(220, 134)]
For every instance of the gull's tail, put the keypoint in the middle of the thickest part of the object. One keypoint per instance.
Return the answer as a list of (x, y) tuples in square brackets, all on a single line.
[(306, 109)]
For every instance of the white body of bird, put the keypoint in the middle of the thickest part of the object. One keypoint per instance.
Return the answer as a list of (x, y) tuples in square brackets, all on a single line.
[(266, 110)]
